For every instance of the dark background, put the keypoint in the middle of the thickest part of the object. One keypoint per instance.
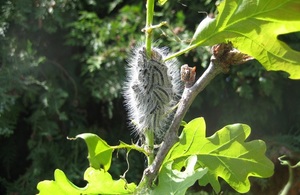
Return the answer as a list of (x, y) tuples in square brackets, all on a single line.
[(62, 65)]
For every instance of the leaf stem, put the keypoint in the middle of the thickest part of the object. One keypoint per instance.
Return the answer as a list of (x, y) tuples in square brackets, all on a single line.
[(148, 29), (149, 142), (288, 185), (149, 135), (174, 55)]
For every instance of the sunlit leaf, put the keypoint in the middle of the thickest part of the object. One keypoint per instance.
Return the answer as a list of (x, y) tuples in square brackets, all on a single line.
[(225, 154), (177, 182), (99, 152), (99, 182), (253, 27)]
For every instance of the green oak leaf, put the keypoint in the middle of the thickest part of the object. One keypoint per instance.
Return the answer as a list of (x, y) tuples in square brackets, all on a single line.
[(99, 182), (99, 152), (253, 27), (177, 182), (225, 154)]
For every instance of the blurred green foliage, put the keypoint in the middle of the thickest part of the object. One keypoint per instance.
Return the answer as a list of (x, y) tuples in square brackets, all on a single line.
[(61, 71)]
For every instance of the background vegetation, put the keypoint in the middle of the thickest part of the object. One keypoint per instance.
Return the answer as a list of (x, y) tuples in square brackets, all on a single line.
[(61, 71)]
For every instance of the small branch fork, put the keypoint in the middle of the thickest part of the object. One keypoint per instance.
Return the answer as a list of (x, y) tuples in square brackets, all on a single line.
[(224, 55)]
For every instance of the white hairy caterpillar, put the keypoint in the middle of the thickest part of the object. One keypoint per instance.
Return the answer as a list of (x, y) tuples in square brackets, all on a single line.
[(151, 90)]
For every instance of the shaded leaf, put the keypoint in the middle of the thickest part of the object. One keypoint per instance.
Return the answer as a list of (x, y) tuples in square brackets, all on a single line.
[(253, 27), (225, 154)]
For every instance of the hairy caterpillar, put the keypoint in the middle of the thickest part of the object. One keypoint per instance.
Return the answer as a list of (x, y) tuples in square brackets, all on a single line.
[(151, 90)]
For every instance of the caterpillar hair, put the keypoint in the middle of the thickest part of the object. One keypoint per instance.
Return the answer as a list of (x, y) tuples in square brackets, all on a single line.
[(151, 90)]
